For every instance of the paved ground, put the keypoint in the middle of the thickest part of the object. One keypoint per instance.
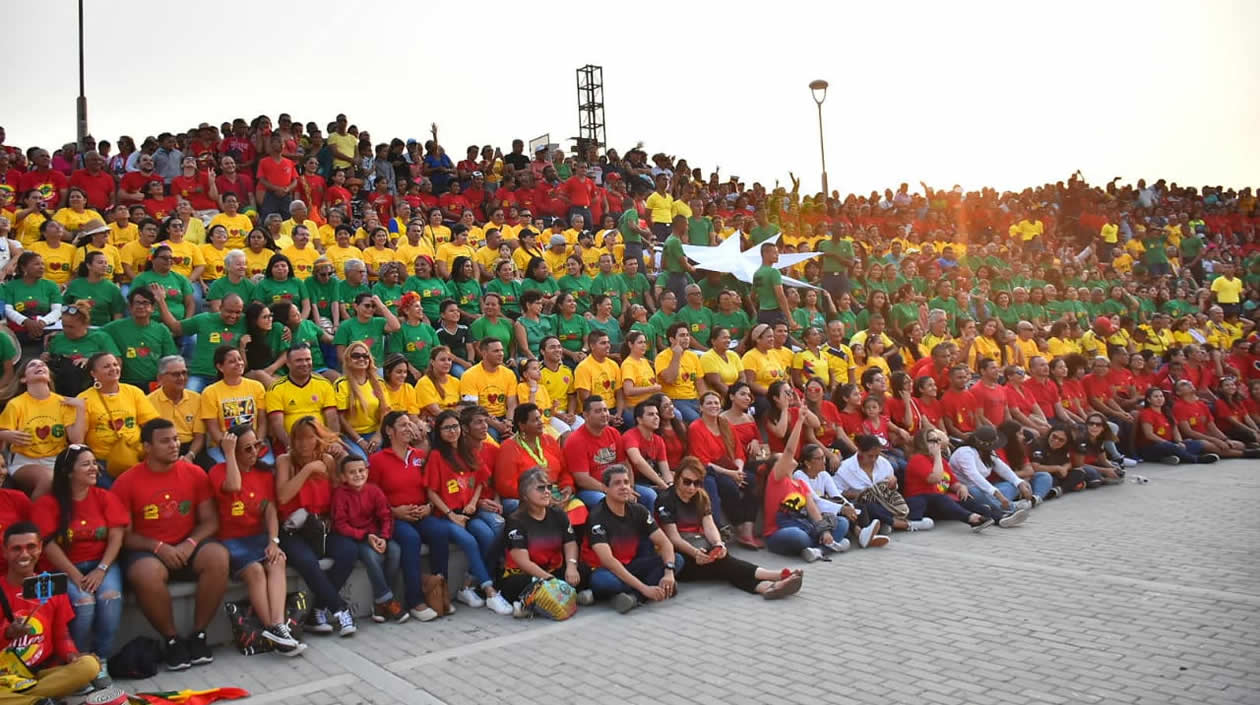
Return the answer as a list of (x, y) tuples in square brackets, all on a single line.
[(1131, 594)]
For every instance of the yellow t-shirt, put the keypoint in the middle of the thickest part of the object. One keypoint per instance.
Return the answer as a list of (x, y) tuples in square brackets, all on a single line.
[(402, 399), (1228, 291), (338, 256), (186, 413), (346, 144), (121, 236), (1028, 348), (1123, 264), (590, 260), (766, 369), (729, 369), (185, 256), (286, 229), (195, 231), (111, 255), (1110, 233), (295, 401), (661, 207), (407, 253), (303, 260), (556, 262), (226, 406), (449, 251), (877, 362), (74, 221), (837, 366), (118, 417), (981, 348), (427, 393), (28, 229), (476, 237), (435, 236), (45, 420), (488, 389), (812, 365), (689, 370), (135, 254), (256, 263), (238, 227), (601, 378), (521, 258), (1062, 347), (214, 262), (640, 373), (58, 263), (784, 356), (362, 418), (541, 398), (374, 257), (487, 258), (681, 208), (559, 384)]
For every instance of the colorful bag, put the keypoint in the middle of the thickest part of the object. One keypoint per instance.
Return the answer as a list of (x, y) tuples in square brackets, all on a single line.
[(552, 598), (247, 628)]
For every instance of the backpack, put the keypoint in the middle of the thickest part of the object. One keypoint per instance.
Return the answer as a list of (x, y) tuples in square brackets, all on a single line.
[(552, 598), (247, 628), (138, 658)]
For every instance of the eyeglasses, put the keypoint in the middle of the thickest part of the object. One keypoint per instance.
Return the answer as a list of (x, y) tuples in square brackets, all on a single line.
[(359, 356), (688, 482), (177, 373), (450, 427)]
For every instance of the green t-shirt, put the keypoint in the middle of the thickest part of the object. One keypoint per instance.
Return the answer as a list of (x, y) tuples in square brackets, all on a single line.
[(390, 295), (535, 331), (902, 315), (105, 296), (223, 286), (611, 327), (373, 333), (765, 279), (760, 233), (415, 342), (467, 294), (323, 295), (611, 285), (637, 287), (211, 333), (737, 322), (509, 292), (628, 225), (672, 257), (1192, 246), (32, 300), (142, 347), (1111, 306), (347, 292), (432, 291), (1179, 307), (699, 230), (95, 341), (176, 286), (832, 249), (661, 322), (580, 288), (1008, 315), (805, 319), (547, 286), (500, 330), (572, 332), (699, 322), (1155, 253), (273, 291), (8, 350)]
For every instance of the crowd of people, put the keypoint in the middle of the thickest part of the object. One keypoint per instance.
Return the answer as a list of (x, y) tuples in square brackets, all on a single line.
[(249, 347)]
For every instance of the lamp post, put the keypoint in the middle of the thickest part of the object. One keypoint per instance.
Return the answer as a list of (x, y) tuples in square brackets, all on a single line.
[(819, 90), (80, 105)]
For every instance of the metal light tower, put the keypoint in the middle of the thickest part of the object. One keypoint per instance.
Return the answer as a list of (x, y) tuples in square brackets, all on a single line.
[(81, 103), (819, 90)]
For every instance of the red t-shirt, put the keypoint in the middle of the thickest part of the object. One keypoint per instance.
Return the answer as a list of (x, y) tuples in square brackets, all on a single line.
[(315, 496), (850, 421), (90, 522), (878, 428), (99, 187), (49, 184), (588, 453), (926, 367), (778, 443), (1098, 388), (278, 173), (961, 408), (991, 401), (779, 491), (1021, 399), (243, 513), (455, 487), (708, 447), (336, 196), (1159, 425), (653, 451), (830, 417), (1195, 413), (1120, 380), (402, 479), (15, 506), (135, 181), (242, 186), (239, 148), (195, 189), (384, 205), (917, 471), (452, 203), (579, 192), (49, 640), (163, 505), (311, 187), (160, 208), (1072, 396), (1223, 410), (1045, 394)]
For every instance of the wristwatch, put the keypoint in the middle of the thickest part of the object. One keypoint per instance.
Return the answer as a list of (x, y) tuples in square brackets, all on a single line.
[(669, 567), (275, 540)]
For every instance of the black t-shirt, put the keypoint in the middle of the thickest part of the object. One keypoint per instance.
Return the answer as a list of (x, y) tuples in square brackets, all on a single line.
[(1045, 455), (519, 162), (544, 539), (622, 533), (456, 341), (684, 515)]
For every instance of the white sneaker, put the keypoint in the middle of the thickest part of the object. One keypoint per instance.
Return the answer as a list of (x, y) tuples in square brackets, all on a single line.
[(585, 597), (838, 546), (470, 597), (1023, 504), (499, 605), (518, 610), (811, 554), (924, 524), (1015, 518), (865, 535), (424, 614), (1129, 462), (291, 652), (345, 623)]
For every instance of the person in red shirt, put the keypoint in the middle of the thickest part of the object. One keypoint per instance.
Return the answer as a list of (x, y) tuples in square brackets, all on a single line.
[(793, 525), (1101, 396), (156, 203), (382, 201), (645, 453), (453, 203), (529, 448), (1122, 385), (455, 484), (577, 193), (1194, 421), (1160, 440), (1022, 408), (591, 448), (399, 470), (1066, 374), (249, 528), (935, 365), (15, 505), (97, 183), (337, 195), (1231, 413), (39, 632), (277, 179), (199, 188), (238, 146), (932, 490), (475, 196), (50, 183), (84, 543), (173, 521), (1042, 389), (312, 189), (990, 397), (133, 188), (927, 406), (237, 182), (361, 518), (960, 410)]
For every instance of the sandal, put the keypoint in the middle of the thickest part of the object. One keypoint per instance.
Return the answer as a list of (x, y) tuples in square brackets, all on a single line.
[(782, 588), (748, 542)]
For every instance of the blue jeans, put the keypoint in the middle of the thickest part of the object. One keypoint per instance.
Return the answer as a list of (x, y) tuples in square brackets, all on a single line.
[(987, 500), (687, 409), (1158, 451), (440, 531), (355, 450), (96, 615), (382, 568), (196, 383), (647, 566), (408, 536), (509, 505), (791, 540), (326, 587), (1041, 483), (457, 371)]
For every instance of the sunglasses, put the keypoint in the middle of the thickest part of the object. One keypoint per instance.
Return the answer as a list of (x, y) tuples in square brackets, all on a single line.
[(688, 482), (358, 356), (1094, 423), (544, 488)]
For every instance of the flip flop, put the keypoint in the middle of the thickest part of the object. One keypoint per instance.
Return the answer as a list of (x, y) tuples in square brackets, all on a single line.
[(783, 588), (748, 543)]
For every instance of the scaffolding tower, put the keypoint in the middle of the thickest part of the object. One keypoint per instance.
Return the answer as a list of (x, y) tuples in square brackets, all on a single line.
[(590, 88)]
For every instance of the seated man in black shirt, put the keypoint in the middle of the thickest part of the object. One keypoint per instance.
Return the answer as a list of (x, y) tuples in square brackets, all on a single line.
[(541, 544), (631, 559)]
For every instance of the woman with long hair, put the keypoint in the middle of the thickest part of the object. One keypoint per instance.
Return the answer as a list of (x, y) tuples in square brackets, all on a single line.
[(538, 278), (464, 288), (232, 400), (426, 283), (532, 326), (685, 514), (738, 412), (360, 401), (115, 413), (673, 431), (83, 526), (1194, 420), (93, 284), (780, 415), (265, 344), (304, 330), (454, 335), (793, 524), (571, 328), (711, 440), (259, 250), (278, 284), (830, 433), (32, 303), (602, 319), (455, 486), (492, 323), (400, 395), (1230, 411), (931, 490), (437, 390), (33, 453)]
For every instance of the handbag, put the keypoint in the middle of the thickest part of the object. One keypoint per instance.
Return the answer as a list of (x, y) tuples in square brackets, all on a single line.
[(310, 528), (122, 455), (436, 594), (696, 540), (552, 598), (15, 675), (887, 498)]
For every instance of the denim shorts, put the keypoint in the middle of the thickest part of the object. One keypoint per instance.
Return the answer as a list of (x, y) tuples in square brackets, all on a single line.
[(185, 574), (245, 550)]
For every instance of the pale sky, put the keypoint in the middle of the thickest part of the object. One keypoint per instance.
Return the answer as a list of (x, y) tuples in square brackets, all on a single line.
[(1002, 94)]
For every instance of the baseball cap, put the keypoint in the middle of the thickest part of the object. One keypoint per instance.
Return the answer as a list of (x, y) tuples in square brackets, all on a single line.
[(1103, 324), (558, 239)]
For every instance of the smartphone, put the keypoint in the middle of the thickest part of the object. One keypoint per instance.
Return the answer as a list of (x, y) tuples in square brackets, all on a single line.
[(45, 586)]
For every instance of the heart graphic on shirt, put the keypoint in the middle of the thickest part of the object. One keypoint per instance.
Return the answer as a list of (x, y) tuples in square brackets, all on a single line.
[(607, 384), (142, 351), (43, 431), (228, 335), (117, 424)]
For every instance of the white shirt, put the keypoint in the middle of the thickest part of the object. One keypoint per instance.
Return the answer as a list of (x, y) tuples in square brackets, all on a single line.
[(850, 475), (824, 485), (966, 464), (6, 250)]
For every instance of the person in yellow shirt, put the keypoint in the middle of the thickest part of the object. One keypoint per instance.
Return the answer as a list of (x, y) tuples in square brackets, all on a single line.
[(379, 253), (214, 253), (721, 365), (437, 390), (600, 375), (298, 216), (761, 369), (531, 390), (413, 246), (399, 396), (301, 393), (680, 373), (1110, 233), (302, 254), (1228, 288), (339, 250), (257, 254), (58, 255), (811, 361), (237, 224), (660, 207), (115, 413), (122, 230), (234, 399), (491, 385), (173, 401), (1122, 261), (556, 255), (448, 251), (434, 231), (360, 400), (186, 258), (76, 214), (487, 256), (37, 425), (98, 234), (558, 380)]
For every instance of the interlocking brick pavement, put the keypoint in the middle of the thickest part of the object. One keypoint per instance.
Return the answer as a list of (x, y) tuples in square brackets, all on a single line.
[(1135, 594)]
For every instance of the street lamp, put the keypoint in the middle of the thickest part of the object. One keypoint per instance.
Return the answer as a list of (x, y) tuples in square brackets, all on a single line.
[(80, 105), (819, 90)]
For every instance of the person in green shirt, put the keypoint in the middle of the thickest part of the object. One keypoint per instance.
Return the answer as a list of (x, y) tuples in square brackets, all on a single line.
[(77, 341), (141, 340), (176, 289), (808, 314), (666, 316), (632, 234), (415, 338), (372, 322), (203, 333), (732, 317), (698, 318), (674, 264), (608, 284), (302, 330), (905, 311), (279, 284), (355, 283), (946, 302), (31, 298), (772, 302), (323, 289), (637, 287), (233, 281), (837, 257), (464, 288), (538, 278), (699, 227), (576, 284), (388, 287), (570, 326), (491, 323), (763, 230), (431, 289), (532, 325), (1155, 259), (507, 288), (604, 321), (103, 296)]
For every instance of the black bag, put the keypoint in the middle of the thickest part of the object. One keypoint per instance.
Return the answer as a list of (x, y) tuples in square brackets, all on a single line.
[(138, 658), (247, 629), (68, 378), (314, 532)]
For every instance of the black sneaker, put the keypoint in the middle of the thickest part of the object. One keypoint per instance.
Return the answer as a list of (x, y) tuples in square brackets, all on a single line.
[(177, 655), (198, 650), (1054, 493)]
